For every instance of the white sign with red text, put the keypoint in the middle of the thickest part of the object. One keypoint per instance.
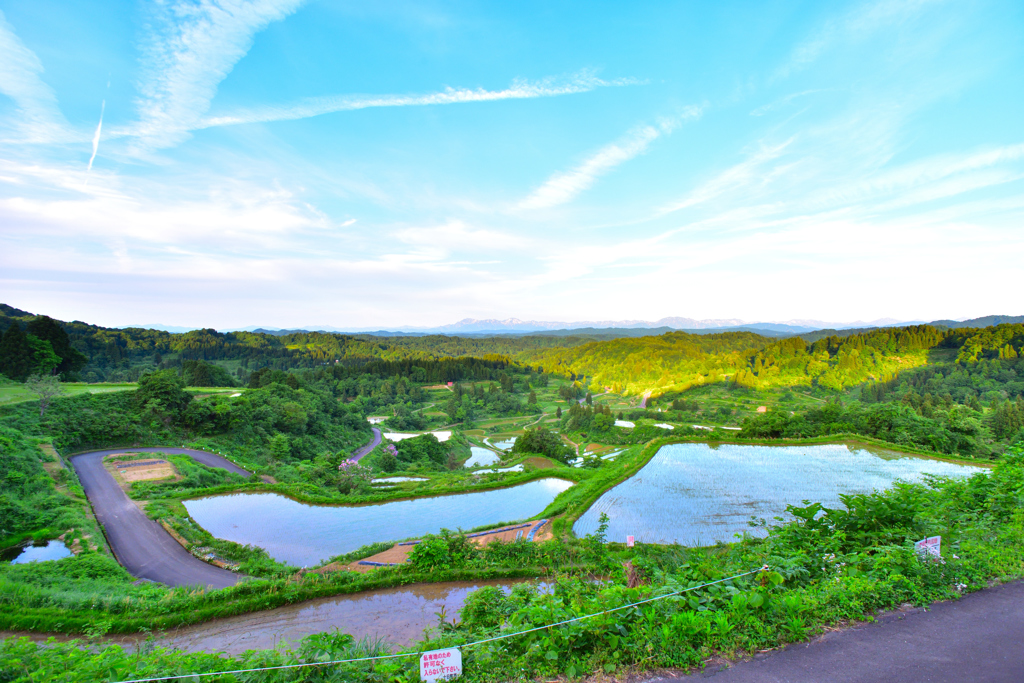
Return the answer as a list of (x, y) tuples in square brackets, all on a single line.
[(929, 546), (440, 665)]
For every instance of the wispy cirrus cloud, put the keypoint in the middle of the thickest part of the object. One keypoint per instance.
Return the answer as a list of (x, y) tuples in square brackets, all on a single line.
[(783, 101), (520, 89), (21, 80), (565, 185), (189, 49), (862, 20)]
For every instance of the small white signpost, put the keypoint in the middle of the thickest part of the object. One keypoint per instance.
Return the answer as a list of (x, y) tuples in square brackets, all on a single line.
[(929, 546), (630, 541), (440, 665)]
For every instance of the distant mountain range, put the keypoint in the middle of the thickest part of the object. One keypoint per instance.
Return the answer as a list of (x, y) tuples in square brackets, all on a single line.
[(491, 326)]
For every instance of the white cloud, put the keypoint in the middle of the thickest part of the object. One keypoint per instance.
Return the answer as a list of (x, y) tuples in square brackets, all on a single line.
[(783, 101), (457, 236), (21, 80), (54, 204), (862, 20), (191, 47), (737, 177), (316, 106), (564, 186)]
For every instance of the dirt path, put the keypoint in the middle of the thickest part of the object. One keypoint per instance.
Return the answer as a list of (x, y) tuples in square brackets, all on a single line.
[(977, 638), (141, 545)]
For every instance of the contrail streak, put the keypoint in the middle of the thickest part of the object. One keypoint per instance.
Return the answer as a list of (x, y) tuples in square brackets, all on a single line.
[(96, 137)]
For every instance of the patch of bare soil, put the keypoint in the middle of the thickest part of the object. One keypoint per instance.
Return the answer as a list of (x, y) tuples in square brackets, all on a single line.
[(126, 472)]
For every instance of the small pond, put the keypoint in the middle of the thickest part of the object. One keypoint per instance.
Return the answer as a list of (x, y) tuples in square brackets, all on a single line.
[(35, 552), (389, 480), (513, 468), (481, 456), (695, 494), (305, 535)]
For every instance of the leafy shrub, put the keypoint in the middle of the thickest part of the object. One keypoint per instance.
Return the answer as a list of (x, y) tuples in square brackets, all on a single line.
[(446, 550), (544, 442)]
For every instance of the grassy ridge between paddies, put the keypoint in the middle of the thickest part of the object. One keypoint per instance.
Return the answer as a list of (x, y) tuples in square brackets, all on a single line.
[(826, 567)]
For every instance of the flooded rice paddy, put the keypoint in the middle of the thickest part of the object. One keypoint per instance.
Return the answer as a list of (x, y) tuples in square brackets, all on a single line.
[(396, 615), (304, 535), (513, 468), (35, 552), (481, 456), (695, 494)]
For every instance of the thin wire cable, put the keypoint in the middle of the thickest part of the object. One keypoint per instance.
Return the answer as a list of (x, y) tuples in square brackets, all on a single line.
[(503, 636)]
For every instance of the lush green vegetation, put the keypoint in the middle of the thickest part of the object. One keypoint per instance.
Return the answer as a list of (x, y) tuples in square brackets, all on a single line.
[(97, 354), (38, 497), (299, 410), (824, 567)]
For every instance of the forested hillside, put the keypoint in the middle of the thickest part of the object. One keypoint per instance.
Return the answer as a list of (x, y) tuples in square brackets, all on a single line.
[(96, 354), (678, 361), (675, 360)]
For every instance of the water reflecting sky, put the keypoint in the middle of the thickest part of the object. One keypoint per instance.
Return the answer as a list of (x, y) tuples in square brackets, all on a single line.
[(694, 494), (304, 535)]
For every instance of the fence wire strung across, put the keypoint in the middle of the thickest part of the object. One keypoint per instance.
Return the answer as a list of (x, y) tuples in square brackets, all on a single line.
[(503, 636)]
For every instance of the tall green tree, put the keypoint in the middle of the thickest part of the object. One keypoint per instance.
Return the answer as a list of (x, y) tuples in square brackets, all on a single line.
[(46, 387), (15, 354), (48, 329), (44, 360), (163, 392)]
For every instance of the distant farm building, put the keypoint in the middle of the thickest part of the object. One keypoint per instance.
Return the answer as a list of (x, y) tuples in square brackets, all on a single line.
[(762, 409)]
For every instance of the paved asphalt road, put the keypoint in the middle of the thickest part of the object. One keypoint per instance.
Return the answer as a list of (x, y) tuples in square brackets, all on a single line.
[(141, 545), (368, 447), (979, 638)]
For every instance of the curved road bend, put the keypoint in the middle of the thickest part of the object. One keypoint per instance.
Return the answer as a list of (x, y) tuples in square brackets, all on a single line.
[(141, 545), (368, 447)]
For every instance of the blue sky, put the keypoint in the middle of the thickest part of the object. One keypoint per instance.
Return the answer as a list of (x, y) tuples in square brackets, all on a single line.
[(289, 163)]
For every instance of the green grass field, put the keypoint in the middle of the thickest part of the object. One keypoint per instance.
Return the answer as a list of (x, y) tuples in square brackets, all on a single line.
[(17, 393)]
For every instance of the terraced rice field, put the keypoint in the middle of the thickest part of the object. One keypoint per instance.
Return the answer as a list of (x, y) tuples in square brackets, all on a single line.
[(695, 494), (305, 535)]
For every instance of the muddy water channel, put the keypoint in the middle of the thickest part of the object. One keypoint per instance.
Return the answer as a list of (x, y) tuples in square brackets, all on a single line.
[(305, 535), (398, 615), (698, 494)]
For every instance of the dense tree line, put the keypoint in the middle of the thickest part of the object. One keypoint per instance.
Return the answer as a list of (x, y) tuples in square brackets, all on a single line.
[(275, 423), (837, 362), (637, 364), (957, 429), (42, 348), (126, 354)]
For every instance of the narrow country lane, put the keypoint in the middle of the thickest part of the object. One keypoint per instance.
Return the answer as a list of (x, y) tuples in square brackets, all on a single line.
[(976, 638), (141, 545), (368, 447)]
